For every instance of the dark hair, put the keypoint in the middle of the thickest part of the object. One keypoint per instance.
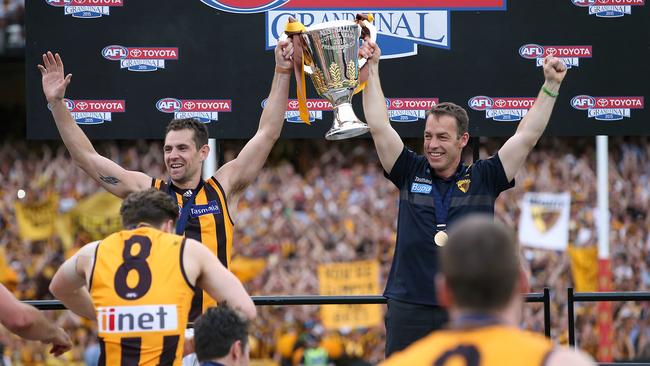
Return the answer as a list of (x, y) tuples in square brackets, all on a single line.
[(480, 263), (217, 330), (150, 206), (453, 110), (199, 128)]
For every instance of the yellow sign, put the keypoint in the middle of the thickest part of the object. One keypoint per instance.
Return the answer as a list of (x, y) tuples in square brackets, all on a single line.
[(350, 278)]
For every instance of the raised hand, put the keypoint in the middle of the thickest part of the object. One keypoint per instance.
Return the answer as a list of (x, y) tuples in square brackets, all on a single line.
[(284, 54), (54, 82), (554, 70), (370, 51)]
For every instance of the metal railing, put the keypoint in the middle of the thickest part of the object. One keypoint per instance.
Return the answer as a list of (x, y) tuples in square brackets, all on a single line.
[(539, 297), (573, 297), (543, 297)]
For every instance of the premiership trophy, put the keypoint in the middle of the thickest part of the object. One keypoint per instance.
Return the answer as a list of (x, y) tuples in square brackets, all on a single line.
[(329, 54)]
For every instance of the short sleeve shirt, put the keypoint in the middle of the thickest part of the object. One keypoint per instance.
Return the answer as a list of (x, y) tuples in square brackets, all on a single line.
[(415, 262)]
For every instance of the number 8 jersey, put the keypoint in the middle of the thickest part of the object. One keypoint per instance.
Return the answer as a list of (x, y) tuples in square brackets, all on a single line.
[(142, 296)]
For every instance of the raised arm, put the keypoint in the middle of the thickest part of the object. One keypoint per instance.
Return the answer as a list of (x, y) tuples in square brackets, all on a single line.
[(387, 141), (241, 171), (514, 152), (69, 283), (110, 175), (211, 276), (29, 323)]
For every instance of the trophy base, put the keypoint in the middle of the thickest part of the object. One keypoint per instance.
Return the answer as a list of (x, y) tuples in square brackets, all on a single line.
[(347, 130), (346, 124)]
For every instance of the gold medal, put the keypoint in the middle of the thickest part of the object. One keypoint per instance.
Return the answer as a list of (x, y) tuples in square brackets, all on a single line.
[(440, 238)]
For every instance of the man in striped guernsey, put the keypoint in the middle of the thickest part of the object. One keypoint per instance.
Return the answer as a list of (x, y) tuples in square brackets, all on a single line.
[(138, 284), (203, 207)]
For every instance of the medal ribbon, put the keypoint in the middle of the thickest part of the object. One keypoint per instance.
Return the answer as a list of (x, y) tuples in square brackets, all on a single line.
[(185, 212), (442, 204), (295, 28)]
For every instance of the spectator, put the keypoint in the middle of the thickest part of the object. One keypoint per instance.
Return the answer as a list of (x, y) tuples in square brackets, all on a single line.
[(302, 212), (221, 338)]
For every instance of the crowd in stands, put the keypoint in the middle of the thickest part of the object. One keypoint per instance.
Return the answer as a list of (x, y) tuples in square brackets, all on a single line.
[(319, 202), (12, 27)]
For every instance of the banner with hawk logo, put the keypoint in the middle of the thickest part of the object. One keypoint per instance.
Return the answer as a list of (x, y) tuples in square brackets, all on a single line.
[(544, 220)]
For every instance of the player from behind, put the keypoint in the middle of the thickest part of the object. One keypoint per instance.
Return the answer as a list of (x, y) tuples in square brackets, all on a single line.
[(139, 282), (481, 284)]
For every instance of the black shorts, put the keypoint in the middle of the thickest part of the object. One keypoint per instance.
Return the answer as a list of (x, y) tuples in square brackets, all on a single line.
[(406, 323)]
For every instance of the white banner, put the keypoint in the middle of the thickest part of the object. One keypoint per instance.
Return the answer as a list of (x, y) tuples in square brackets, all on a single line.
[(544, 220)]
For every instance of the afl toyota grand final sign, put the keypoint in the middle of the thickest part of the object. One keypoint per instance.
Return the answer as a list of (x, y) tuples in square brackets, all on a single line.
[(485, 55), (401, 26)]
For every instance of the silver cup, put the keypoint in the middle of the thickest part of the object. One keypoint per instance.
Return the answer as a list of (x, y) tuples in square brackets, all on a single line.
[(331, 52)]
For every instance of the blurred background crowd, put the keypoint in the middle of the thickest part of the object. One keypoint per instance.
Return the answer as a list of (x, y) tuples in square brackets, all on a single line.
[(12, 30), (318, 202)]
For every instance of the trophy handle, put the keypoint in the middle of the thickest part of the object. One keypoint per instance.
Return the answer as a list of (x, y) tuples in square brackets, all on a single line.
[(367, 28)]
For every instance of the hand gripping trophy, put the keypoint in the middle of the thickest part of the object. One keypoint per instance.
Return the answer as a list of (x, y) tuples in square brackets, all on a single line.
[(329, 53)]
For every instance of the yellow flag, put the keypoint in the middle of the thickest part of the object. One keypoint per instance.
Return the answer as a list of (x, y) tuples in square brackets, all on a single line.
[(98, 215), (247, 268), (584, 267), (36, 219)]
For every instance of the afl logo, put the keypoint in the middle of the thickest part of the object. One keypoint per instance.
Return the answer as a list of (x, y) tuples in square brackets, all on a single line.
[(583, 102), (169, 105), (480, 103), (58, 2), (115, 53), (244, 6), (584, 3), (68, 104), (531, 51)]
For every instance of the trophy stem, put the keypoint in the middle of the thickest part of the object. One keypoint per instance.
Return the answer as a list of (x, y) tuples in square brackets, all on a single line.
[(346, 124)]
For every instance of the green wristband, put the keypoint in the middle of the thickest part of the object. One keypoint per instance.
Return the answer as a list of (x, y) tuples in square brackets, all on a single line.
[(548, 92)]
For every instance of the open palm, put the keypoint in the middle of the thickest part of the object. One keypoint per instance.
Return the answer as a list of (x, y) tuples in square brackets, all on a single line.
[(54, 82)]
